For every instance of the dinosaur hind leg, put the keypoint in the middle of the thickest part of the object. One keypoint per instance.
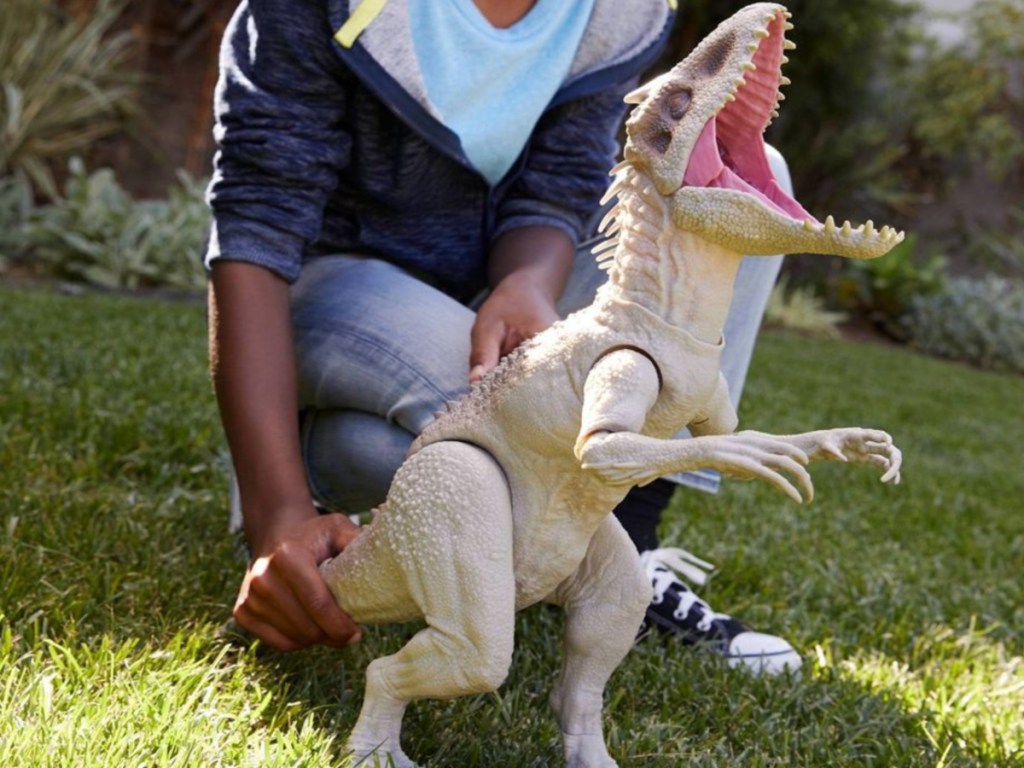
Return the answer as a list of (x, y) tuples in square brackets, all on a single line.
[(604, 601), (451, 527)]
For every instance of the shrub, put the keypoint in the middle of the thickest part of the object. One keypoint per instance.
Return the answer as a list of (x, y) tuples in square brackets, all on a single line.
[(15, 205), (959, 107), (99, 235), (1002, 251), (63, 85), (980, 321), (883, 290), (801, 309)]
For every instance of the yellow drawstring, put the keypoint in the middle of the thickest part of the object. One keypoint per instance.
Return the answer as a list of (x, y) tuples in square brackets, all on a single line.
[(360, 19)]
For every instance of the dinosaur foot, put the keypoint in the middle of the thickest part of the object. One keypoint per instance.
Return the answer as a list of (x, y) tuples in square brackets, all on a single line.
[(586, 751), (386, 754)]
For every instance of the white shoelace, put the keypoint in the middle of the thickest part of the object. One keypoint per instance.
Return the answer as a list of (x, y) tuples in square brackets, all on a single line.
[(662, 565)]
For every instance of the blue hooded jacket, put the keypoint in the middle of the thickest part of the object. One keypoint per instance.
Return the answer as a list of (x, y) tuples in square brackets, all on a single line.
[(325, 148)]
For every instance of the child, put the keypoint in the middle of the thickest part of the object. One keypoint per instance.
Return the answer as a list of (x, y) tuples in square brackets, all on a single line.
[(399, 195)]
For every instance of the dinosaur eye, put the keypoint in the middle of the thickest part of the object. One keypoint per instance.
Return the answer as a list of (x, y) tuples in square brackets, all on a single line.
[(677, 104)]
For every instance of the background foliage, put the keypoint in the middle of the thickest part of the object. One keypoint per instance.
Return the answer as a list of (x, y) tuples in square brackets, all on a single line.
[(980, 320), (98, 234), (882, 122), (65, 84)]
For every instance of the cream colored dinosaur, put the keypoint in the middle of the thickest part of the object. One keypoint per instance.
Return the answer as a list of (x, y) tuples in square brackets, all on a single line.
[(505, 500)]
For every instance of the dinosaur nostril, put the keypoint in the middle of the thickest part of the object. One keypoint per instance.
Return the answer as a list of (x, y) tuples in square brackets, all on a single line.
[(660, 141), (654, 130)]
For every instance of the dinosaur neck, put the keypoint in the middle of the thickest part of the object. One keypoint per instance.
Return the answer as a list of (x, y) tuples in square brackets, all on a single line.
[(677, 275)]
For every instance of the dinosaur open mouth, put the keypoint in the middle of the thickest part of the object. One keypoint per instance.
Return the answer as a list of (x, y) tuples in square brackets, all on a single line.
[(730, 152)]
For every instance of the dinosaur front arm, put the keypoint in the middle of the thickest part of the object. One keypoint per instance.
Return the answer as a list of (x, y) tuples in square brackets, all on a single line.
[(850, 444), (620, 389), (622, 458), (718, 417), (627, 458)]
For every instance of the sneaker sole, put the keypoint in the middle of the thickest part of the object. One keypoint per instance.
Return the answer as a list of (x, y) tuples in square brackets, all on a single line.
[(770, 664)]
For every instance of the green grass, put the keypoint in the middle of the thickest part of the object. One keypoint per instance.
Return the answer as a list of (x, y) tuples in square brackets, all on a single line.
[(116, 571)]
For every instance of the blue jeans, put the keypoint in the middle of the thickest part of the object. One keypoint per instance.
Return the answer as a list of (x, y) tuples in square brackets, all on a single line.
[(380, 352)]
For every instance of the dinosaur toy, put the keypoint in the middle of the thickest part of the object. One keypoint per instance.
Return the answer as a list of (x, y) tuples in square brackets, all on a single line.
[(505, 499)]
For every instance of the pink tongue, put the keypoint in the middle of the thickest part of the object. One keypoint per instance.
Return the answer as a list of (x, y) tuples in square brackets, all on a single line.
[(706, 169), (772, 196), (705, 163)]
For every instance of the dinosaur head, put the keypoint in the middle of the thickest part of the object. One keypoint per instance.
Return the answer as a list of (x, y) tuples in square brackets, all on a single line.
[(696, 132)]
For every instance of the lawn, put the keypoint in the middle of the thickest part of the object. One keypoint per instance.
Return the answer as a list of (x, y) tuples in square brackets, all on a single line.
[(116, 570)]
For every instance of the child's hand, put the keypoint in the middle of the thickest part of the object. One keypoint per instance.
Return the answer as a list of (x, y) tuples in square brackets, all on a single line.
[(283, 599), (528, 268), (515, 311)]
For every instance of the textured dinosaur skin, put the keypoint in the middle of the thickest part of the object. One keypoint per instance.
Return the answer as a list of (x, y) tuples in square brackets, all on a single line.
[(505, 500)]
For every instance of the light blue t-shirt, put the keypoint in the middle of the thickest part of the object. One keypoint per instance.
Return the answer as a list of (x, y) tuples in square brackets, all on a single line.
[(491, 85)]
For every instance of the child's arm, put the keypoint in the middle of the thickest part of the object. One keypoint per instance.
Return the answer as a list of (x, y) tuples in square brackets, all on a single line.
[(283, 599)]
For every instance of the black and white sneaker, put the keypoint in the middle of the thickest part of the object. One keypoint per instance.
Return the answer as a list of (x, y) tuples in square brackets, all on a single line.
[(676, 610)]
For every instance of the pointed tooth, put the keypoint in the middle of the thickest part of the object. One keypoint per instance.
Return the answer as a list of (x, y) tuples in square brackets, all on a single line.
[(740, 82), (749, 66), (774, 114), (752, 47), (885, 232), (788, 26), (787, 15), (783, 80), (761, 34), (869, 228), (847, 228), (830, 224), (730, 97), (788, 45), (784, 60), (781, 95)]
